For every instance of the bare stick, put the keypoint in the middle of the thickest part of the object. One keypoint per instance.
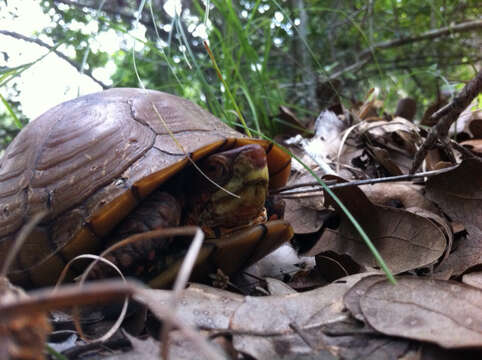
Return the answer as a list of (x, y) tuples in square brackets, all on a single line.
[(55, 51), (316, 185), (439, 132)]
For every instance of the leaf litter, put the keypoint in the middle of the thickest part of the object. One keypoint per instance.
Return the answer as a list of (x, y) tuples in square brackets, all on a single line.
[(427, 230)]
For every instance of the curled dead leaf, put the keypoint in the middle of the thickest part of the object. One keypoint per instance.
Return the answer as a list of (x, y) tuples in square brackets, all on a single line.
[(21, 337), (405, 193), (352, 297), (459, 194), (259, 325), (473, 279), (443, 312), (405, 241)]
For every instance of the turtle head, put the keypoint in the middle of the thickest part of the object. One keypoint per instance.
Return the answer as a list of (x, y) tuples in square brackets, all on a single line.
[(242, 171)]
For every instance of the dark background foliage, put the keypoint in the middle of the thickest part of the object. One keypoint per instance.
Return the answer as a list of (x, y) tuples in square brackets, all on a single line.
[(298, 53)]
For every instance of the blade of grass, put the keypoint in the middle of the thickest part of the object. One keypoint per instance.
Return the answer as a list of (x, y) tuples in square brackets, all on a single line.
[(211, 98), (252, 107), (16, 121), (228, 91)]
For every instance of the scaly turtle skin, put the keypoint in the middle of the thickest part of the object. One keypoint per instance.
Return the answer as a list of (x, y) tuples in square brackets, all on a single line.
[(92, 161)]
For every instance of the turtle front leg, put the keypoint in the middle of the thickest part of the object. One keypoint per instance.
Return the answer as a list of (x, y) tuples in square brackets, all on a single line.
[(142, 258)]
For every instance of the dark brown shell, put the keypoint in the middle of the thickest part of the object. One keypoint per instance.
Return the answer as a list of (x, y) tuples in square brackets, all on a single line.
[(89, 161)]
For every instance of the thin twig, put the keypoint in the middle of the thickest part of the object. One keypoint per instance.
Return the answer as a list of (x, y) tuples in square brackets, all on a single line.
[(316, 185), (431, 34), (55, 51), (439, 132), (303, 336)]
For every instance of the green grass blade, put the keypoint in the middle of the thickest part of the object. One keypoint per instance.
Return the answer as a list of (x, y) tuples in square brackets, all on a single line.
[(11, 112)]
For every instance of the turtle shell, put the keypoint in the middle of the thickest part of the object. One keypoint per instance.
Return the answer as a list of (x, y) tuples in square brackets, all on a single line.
[(88, 162)]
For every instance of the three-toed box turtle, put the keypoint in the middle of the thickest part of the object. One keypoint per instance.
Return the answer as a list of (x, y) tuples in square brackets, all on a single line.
[(104, 166)]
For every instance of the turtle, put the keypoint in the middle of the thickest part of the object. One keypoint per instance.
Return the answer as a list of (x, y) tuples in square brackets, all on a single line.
[(102, 164)]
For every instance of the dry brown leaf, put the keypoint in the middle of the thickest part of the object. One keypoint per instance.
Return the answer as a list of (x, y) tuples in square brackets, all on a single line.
[(370, 109), (274, 314), (22, 337), (303, 217), (352, 297), (277, 287), (405, 241), (262, 318), (357, 346), (291, 124), (473, 279), (382, 133), (443, 312), (382, 156), (459, 194), (474, 145), (332, 266), (467, 253), (200, 305), (148, 349), (406, 193), (260, 324), (475, 126), (406, 108), (441, 223), (470, 123), (288, 346), (180, 348), (392, 143)]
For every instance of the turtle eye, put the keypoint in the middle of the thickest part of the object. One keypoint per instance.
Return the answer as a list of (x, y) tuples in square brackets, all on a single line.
[(217, 170)]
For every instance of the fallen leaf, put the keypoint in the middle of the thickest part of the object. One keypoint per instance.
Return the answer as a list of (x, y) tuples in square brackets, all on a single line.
[(259, 325), (475, 145), (354, 347), (333, 266), (382, 156), (443, 312), (405, 241), (21, 337), (147, 349), (473, 279), (433, 352), (459, 194), (467, 253), (352, 297), (277, 287), (470, 121), (406, 108), (262, 318), (303, 216), (475, 126), (392, 143), (442, 224), (405, 193)]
